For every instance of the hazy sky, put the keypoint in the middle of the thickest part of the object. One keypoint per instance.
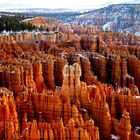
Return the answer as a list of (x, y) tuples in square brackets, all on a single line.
[(58, 3)]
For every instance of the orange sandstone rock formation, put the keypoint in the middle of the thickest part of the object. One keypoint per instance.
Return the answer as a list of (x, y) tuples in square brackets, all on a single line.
[(69, 86)]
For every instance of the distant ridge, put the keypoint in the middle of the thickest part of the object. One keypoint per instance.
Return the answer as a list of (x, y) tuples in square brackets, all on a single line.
[(123, 17)]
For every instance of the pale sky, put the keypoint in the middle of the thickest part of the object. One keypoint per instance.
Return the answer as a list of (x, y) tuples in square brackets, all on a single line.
[(59, 3)]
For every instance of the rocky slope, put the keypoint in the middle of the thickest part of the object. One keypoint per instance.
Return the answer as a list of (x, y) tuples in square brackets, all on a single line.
[(42, 23), (117, 17)]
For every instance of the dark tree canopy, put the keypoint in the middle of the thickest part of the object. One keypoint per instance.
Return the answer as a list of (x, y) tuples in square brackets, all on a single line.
[(14, 23)]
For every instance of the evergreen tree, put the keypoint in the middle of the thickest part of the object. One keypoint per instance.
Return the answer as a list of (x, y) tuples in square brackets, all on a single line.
[(15, 23)]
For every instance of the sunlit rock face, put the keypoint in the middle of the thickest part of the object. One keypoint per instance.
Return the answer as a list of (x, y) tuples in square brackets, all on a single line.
[(69, 86), (42, 23), (71, 82), (9, 118)]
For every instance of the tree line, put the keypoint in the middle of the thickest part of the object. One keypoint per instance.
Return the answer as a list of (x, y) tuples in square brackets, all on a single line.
[(14, 23)]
